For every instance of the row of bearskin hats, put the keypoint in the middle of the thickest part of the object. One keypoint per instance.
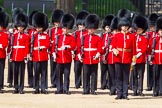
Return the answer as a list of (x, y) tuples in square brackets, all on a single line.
[(39, 19), (127, 18)]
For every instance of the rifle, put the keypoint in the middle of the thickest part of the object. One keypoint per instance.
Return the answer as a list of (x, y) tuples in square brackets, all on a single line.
[(32, 45), (153, 49), (107, 50), (101, 35), (50, 36), (75, 37), (56, 44), (11, 48), (82, 47)]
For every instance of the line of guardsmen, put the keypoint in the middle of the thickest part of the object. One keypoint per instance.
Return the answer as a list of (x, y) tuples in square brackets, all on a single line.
[(127, 43)]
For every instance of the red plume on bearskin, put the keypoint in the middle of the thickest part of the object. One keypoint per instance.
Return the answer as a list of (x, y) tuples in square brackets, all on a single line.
[(80, 18), (4, 19), (68, 21), (92, 21), (57, 15), (107, 21), (21, 19), (152, 19), (158, 24), (140, 22), (40, 20)]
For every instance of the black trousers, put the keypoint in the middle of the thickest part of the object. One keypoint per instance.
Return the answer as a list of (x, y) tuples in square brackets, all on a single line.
[(53, 71), (157, 78), (10, 72), (40, 75), (149, 75), (2, 66), (111, 70), (30, 72), (104, 75), (19, 73), (78, 66), (131, 79), (122, 78), (63, 70), (90, 77), (138, 75)]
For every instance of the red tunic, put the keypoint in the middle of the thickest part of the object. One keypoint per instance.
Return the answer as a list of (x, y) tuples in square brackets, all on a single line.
[(64, 55), (3, 44), (126, 45), (21, 46), (92, 46), (78, 36), (157, 59), (141, 47), (40, 40)]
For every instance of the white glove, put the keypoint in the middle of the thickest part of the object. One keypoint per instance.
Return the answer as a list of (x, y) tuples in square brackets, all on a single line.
[(54, 56), (80, 58), (96, 56), (149, 57), (1, 46), (10, 30), (115, 51), (138, 55), (72, 53), (65, 47)]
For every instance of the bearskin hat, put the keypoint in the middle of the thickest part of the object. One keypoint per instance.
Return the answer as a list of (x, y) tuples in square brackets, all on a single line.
[(21, 19), (124, 13), (92, 21), (4, 19), (158, 24), (80, 18), (123, 22), (107, 21), (140, 22), (114, 24), (67, 21), (57, 15), (40, 20), (152, 19), (31, 16), (15, 11)]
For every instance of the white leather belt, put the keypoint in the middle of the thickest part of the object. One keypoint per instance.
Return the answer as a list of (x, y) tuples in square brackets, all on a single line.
[(157, 51), (138, 50), (90, 49), (18, 46)]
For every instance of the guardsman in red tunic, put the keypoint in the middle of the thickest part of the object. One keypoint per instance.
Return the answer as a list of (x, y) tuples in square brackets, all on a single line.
[(30, 31), (90, 51), (19, 52), (124, 49), (106, 39), (110, 58), (56, 30), (4, 19), (39, 53), (155, 60), (62, 47), (152, 33), (140, 23), (81, 31), (15, 11)]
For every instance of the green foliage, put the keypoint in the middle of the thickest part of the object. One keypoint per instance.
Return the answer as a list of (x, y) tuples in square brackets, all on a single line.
[(104, 7)]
